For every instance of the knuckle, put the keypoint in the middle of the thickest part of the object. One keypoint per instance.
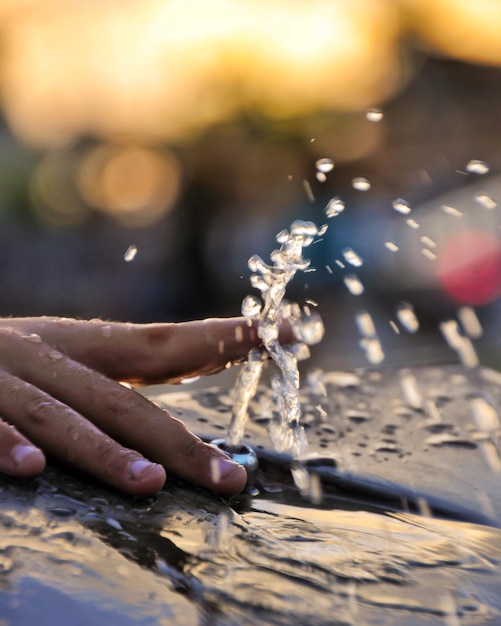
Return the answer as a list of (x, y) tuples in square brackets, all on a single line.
[(121, 400), (40, 410)]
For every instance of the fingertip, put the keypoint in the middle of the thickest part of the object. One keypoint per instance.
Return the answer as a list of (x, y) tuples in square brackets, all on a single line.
[(28, 461), (144, 477), (227, 478)]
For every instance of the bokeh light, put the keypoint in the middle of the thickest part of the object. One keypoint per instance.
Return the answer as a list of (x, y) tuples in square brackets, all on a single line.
[(135, 185)]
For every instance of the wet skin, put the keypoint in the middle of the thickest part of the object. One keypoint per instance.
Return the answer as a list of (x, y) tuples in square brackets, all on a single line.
[(60, 395)]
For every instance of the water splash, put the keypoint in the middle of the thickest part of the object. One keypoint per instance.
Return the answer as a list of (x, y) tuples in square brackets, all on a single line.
[(286, 432)]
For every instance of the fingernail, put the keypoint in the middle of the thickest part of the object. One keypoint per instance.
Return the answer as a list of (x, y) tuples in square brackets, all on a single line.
[(227, 466), (138, 467), (21, 451)]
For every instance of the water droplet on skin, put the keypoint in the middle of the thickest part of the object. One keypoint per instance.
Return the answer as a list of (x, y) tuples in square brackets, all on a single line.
[(360, 183), (352, 257), (106, 331), (33, 338), (74, 436), (477, 167), (251, 306), (450, 210), (392, 247), (374, 115), (412, 224), (130, 253), (334, 207), (485, 200), (325, 165), (65, 322), (402, 206), (353, 284), (55, 355)]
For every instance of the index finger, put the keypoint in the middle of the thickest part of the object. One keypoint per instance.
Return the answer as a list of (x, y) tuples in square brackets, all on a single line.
[(151, 353)]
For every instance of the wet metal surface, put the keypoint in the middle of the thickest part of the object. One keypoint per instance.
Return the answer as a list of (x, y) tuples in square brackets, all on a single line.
[(398, 522)]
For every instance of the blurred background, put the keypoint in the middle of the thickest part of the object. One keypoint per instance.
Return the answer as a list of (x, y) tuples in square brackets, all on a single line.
[(149, 147)]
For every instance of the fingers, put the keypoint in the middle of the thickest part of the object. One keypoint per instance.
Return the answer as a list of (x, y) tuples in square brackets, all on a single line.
[(123, 414), (18, 457), (66, 435), (151, 353)]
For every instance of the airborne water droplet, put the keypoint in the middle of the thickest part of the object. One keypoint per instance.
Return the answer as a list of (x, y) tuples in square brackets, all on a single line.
[(353, 284), (470, 322), (406, 316), (325, 165), (352, 257), (450, 210), (391, 246), (251, 306), (360, 183), (334, 207), (412, 223), (477, 167), (365, 324), (374, 115), (402, 206), (485, 200), (428, 241), (130, 253)]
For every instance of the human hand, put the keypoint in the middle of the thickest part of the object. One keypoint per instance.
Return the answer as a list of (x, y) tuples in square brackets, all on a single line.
[(60, 396)]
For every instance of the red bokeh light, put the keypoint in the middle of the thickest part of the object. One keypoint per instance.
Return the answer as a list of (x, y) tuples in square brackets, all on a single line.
[(469, 267)]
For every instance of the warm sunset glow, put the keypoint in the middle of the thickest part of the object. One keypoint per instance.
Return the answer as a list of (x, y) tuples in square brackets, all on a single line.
[(459, 28), (163, 69)]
